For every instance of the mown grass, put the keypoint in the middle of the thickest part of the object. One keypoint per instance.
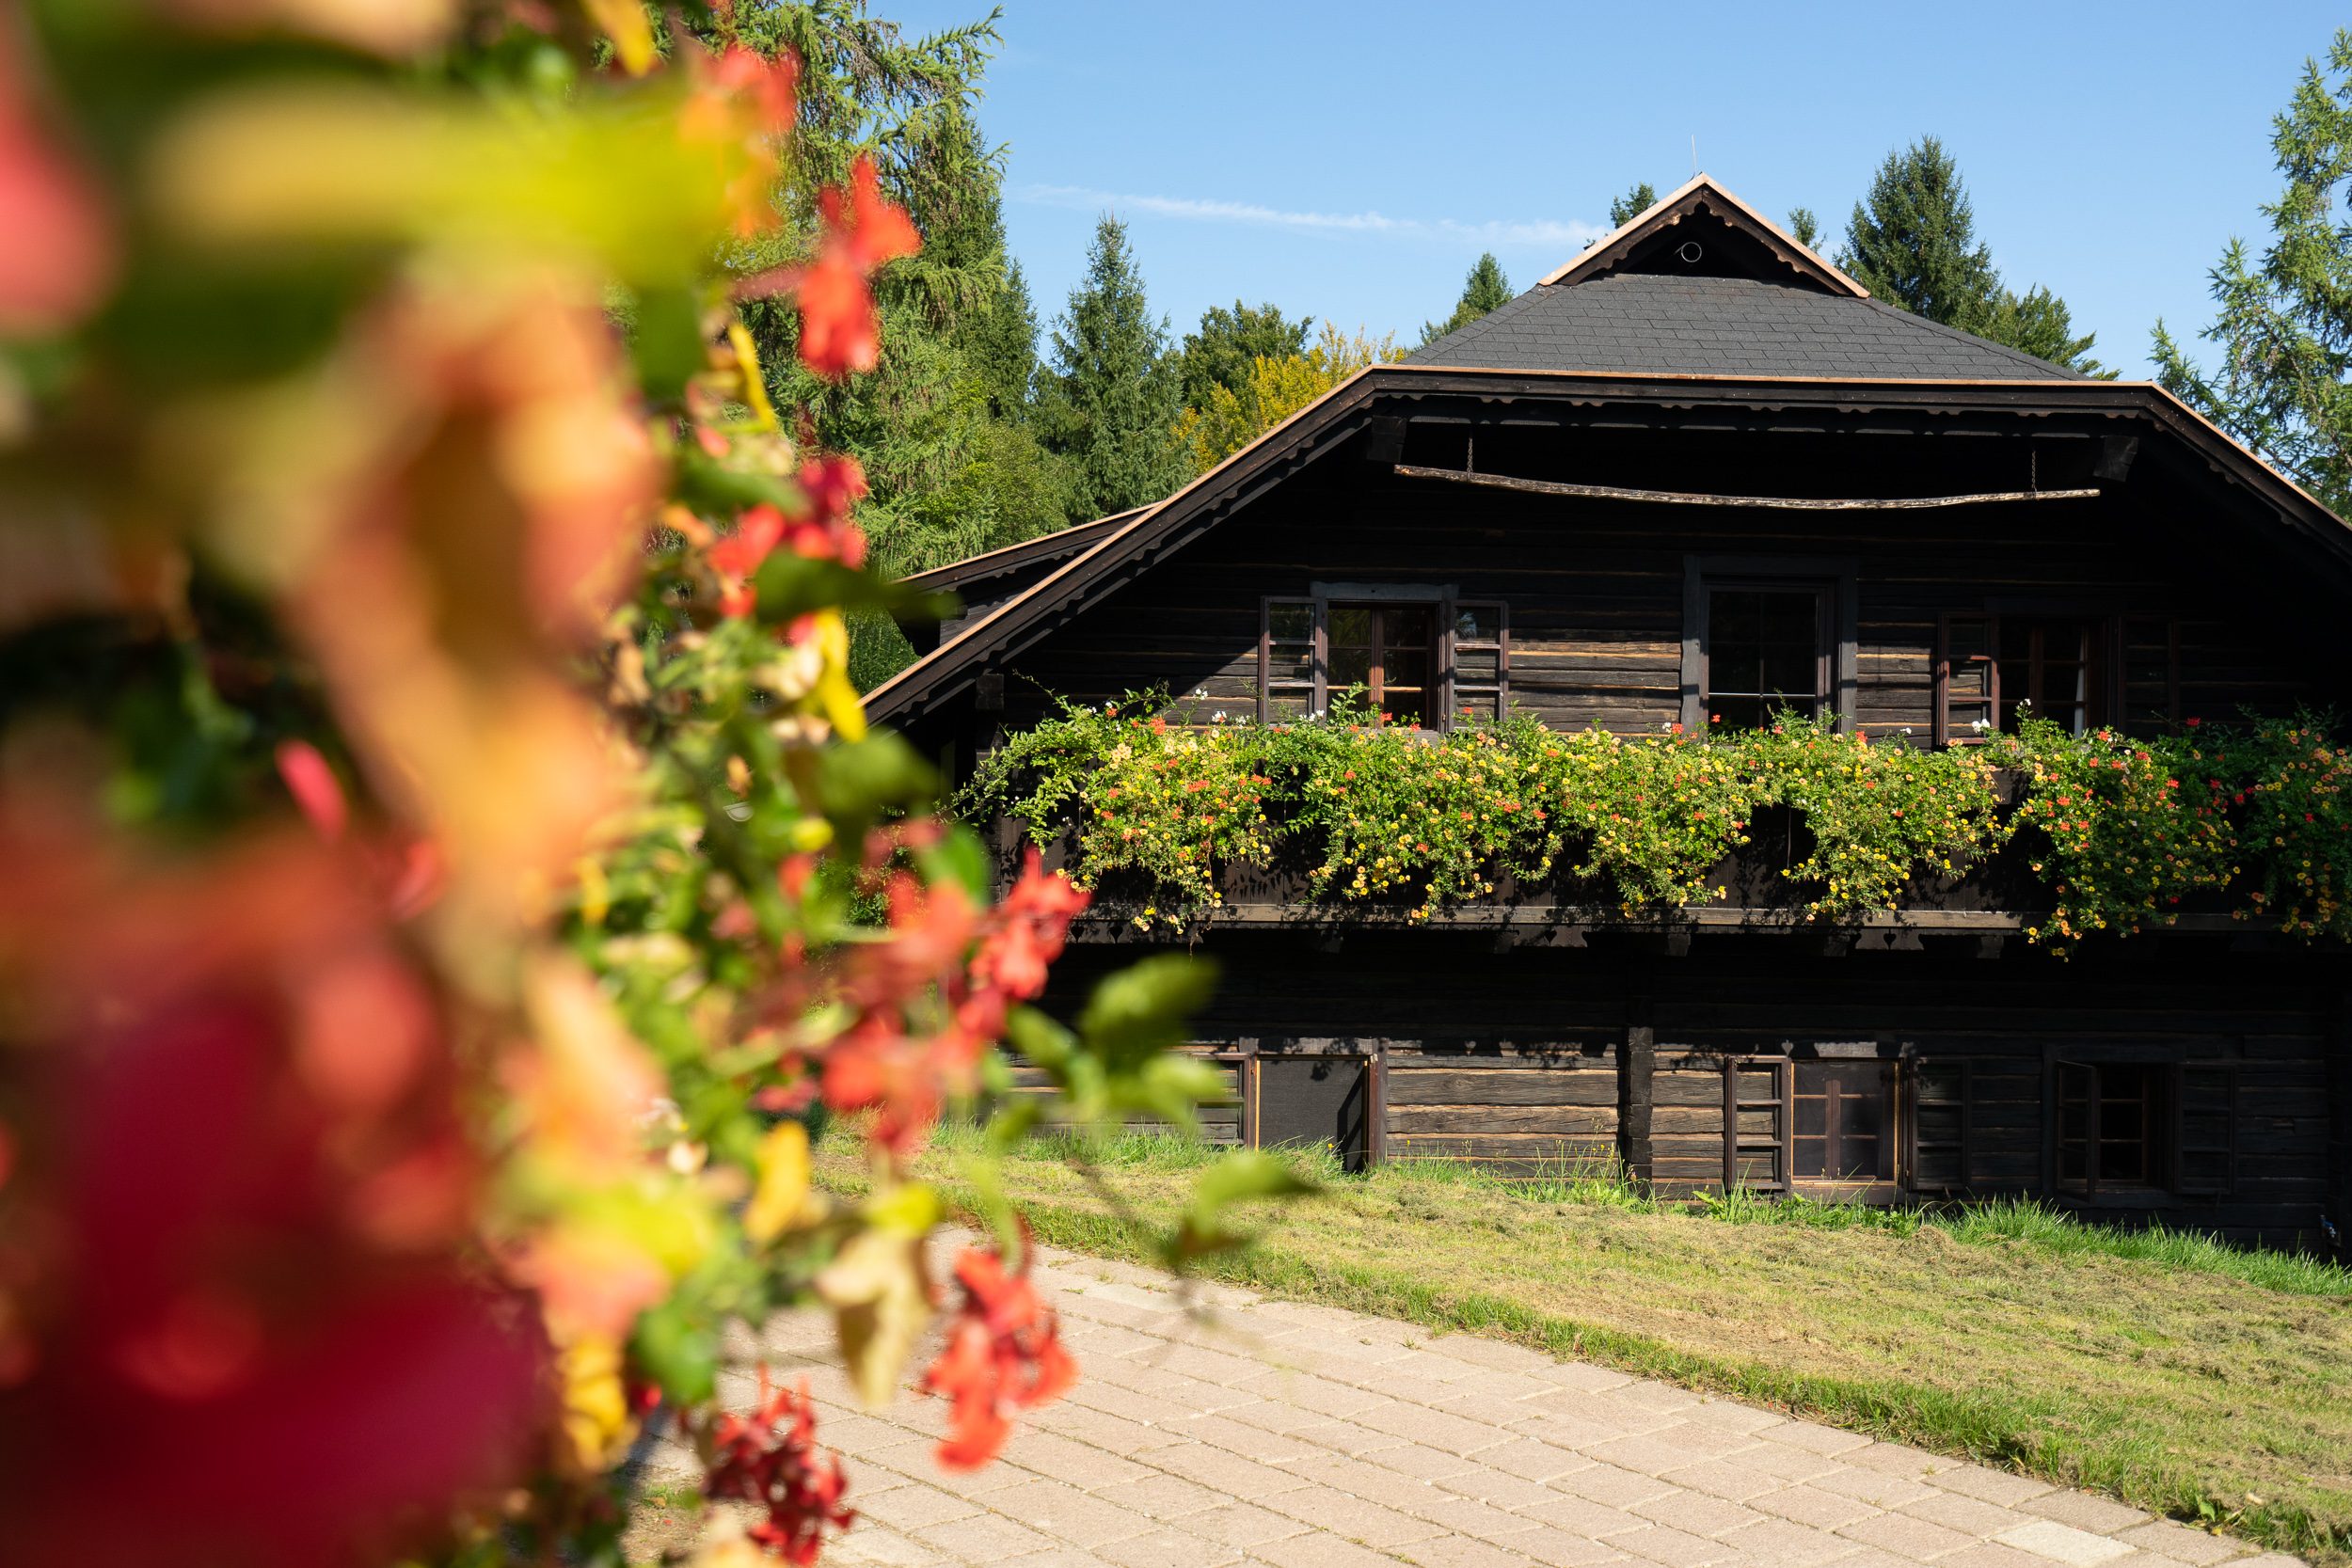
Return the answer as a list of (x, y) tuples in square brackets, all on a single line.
[(2184, 1376)]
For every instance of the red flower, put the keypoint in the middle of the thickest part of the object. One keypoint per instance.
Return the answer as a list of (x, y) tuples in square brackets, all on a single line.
[(1003, 1353), (58, 261), (314, 787), (761, 1459), (1028, 930), (840, 330)]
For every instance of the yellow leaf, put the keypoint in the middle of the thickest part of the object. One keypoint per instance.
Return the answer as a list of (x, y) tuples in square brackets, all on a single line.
[(880, 1300), (783, 1200), (596, 1426), (624, 22)]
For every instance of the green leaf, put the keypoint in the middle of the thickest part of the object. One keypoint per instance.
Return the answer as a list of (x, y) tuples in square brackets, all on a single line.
[(668, 344), (858, 781), (793, 585), (1046, 1043), (682, 1356), (961, 858), (1239, 1178), (1145, 1007)]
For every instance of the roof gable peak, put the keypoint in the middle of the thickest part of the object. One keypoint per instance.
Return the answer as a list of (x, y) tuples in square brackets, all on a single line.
[(1702, 230)]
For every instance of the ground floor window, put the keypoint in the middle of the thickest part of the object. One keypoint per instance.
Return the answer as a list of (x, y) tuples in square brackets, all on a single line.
[(1843, 1115)]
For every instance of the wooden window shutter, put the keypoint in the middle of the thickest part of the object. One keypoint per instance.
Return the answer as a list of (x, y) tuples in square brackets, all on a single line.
[(2204, 1120), (1287, 662), (1479, 662), (1936, 1148), (1967, 678), (1756, 1124), (2150, 677)]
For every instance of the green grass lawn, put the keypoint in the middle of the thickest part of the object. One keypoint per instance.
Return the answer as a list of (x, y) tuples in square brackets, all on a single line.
[(2178, 1376)]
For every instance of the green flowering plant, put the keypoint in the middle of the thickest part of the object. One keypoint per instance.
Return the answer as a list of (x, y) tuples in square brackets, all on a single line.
[(2121, 831)]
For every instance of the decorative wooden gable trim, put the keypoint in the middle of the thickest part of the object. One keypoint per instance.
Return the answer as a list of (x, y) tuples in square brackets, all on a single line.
[(1696, 208)]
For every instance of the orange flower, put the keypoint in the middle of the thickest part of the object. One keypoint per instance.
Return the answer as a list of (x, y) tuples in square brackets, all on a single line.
[(59, 259), (1003, 1353)]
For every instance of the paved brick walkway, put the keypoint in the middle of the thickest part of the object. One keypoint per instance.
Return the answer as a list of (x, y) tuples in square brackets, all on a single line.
[(1261, 1432)]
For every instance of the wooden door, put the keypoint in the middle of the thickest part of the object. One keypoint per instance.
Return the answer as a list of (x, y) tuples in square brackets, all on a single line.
[(1843, 1126)]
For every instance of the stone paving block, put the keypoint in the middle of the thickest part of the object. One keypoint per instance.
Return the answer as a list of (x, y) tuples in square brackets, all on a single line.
[(882, 1548), (982, 1538), (1675, 1548), (1735, 1417), (1496, 1488), (1079, 1464), (1432, 1428), (1094, 1339), (1425, 1465), (1352, 1437), (1219, 1365), (911, 1507), (918, 1460), (1559, 1549), (1501, 1355), (2085, 1512), (1817, 1439), (1991, 1486), (1318, 1549), (1349, 1517), (1168, 1547), (1965, 1514), (1583, 1376), (1062, 1557), (1244, 1525), (1585, 1517), (1228, 1431), (1729, 1479), (2180, 1543), (1785, 1542), (1100, 1429), (1875, 1487), (1809, 1505), (1610, 1483), (1699, 1515), (1309, 1392), (1653, 1455), (1165, 1497), (1581, 1432), (1898, 1460), (1068, 1515), (1459, 1551), (1226, 1473), (1463, 1515), (1992, 1554), (2058, 1543), (1359, 1477), (1783, 1461), (1907, 1536), (1531, 1460)]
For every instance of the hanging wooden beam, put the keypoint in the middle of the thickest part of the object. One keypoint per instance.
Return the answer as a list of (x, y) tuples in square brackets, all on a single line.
[(1688, 497)]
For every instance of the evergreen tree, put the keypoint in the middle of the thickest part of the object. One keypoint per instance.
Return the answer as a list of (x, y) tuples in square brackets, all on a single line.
[(1228, 341), (1003, 348), (1805, 228), (1631, 205), (1109, 400), (1483, 290), (2284, 387), (1912, 242)]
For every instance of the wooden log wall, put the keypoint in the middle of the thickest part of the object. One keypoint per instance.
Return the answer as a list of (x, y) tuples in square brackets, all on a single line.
[(1528, 1060), (1595, 588)]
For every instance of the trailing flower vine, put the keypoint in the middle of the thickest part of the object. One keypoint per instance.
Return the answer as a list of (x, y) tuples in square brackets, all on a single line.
[(2120, 832)]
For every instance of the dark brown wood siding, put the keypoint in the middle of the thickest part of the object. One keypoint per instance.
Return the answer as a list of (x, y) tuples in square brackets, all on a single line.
[(1513, 1058)]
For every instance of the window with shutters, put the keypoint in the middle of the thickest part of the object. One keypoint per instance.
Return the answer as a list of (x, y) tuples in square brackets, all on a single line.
[(2126, 1127), (1938, 1159), (1423, 658), (1756, 1123)]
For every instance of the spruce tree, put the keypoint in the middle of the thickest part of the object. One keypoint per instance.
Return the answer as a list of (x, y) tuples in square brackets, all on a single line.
[(1631, 205), (1912, 241), (1230, 342), (1109, 400), (1805, 228), (1483, 290), (2284, 387)]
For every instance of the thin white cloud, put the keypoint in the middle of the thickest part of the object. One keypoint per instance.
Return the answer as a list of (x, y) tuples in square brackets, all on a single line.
[(1571, 235)]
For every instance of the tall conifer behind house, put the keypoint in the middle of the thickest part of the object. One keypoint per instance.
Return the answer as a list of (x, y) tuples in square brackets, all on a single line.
[(1109, 400), (1483, 290)]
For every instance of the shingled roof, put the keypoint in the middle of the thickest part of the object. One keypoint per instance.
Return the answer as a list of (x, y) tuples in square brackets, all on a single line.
[(1701, 284)]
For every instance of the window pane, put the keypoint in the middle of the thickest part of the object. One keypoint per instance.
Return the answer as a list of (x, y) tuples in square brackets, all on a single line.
[(1291, 623), (1763, 653), (1474, 623), (1351, 626)]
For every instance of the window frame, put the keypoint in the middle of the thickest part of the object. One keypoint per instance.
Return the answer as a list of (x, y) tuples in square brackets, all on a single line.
[(2117, 634), (2174, 1074), (1833, 578), (1445, 603)]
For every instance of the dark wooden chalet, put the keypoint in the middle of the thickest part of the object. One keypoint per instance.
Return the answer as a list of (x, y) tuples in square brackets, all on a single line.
[(1696, 448)]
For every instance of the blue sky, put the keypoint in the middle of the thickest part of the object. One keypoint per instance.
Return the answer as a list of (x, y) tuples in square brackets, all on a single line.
[(1349, 162)]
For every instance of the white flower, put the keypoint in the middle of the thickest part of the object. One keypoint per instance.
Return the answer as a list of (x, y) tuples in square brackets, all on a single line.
[(1201, 691), (1979, 725), (1906, 729), (1217, 717)]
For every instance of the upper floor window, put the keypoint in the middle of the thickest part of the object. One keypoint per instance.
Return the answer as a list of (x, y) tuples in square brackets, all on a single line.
[(1420, 656), (1764, 634), (2078, 668)]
